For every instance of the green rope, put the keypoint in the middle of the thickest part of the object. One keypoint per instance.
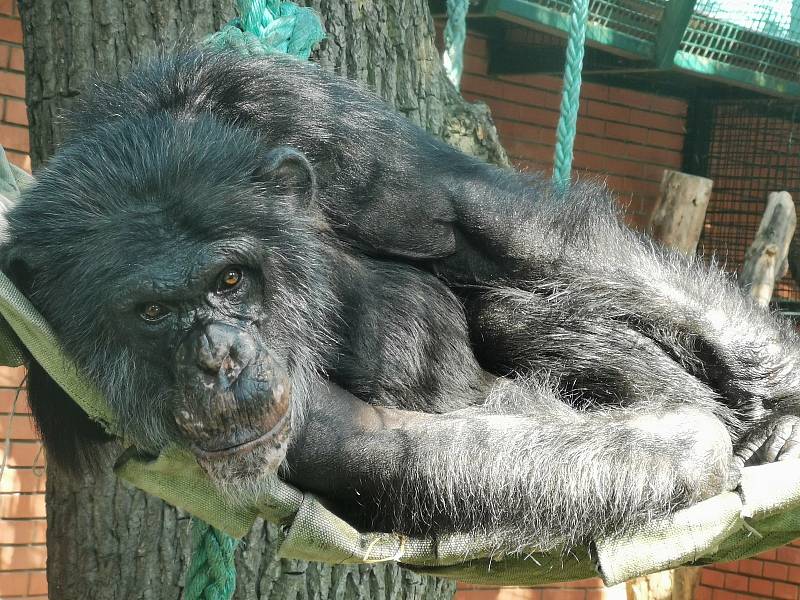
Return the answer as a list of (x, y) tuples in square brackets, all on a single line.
[(570, 96), (270, 27), (455, 34), (212, 573), (263, 27)]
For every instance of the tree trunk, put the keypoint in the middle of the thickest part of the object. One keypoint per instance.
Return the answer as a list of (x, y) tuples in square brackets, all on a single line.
[(765, 259), (106, 540), (677, 220)]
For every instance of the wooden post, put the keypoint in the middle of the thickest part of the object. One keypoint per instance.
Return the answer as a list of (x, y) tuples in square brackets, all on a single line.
[(765, 260), (677, 220)]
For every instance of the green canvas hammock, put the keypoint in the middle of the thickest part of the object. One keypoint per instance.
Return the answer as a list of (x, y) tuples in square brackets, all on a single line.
[(764, 513)]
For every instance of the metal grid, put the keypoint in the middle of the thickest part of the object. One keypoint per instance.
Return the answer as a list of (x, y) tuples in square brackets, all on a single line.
[(636, 18), (753, 149), (737, 46), (775, 18)]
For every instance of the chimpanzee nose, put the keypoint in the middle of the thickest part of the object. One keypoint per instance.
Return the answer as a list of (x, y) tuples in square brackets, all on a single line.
[(222, 351)]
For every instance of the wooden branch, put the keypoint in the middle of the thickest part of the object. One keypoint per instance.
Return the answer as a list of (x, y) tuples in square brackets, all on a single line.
[(765, 260), (677, 220)]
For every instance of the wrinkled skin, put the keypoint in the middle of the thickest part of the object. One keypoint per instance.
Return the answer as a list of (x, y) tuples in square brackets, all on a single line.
[(430, 342)]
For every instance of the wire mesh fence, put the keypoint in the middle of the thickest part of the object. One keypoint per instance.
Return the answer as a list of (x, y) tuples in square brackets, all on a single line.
[(753, 148)]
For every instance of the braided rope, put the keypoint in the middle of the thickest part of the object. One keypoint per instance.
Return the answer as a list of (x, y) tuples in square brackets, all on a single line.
[(570, 96), (212, 573), (269, 27), (263, 27), (455, 34)]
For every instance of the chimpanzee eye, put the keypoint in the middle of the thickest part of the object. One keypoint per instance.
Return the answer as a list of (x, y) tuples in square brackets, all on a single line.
[(229, 279), (152, 312)]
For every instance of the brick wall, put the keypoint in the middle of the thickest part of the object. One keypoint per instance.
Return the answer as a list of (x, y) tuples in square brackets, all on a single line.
[(625, 137), (772, 574)]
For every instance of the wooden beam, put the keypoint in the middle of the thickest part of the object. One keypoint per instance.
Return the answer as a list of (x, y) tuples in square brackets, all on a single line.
[(675, 20), (677, 220), (765, 260)]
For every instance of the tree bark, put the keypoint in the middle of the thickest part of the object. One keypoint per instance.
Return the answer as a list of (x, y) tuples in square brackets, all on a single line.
[(108, 541)]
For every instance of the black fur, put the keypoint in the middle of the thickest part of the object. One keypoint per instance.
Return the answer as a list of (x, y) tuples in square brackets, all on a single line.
[(628, 372)]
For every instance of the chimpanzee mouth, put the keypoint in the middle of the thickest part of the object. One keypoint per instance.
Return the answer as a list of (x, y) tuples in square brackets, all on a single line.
[(275, 437)]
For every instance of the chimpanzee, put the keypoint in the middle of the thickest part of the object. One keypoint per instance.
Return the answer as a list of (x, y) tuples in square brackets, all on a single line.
[(261, 262)]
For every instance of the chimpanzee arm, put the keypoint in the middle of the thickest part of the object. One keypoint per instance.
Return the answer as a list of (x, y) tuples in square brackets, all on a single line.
[(542, 478), (572, 246)]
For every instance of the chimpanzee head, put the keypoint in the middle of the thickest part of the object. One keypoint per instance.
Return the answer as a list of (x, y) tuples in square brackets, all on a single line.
[(180, 262)]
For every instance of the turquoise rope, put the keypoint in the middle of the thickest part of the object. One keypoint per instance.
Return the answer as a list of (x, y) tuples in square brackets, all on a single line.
[(212, 572), (270, 27), (263, 27), (455, 34), (570, 96)]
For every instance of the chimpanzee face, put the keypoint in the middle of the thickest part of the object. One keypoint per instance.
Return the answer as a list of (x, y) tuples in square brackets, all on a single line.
[(180, 265)]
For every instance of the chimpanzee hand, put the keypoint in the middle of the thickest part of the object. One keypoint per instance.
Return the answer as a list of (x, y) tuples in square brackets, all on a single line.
[(778, 439)]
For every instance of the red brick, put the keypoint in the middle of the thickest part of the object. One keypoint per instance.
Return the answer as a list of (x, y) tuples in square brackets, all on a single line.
[(623, 131), (22, 160), (776, 571), (794, 574), (14, 137), (22, 454), (22, 506), (730, 567), (476, 594), (11, 377), (21, 480), (22, 557), (589, 126), (23, 531), (484, 86), (530, 96), (787, 591), (477, 65), (736, 582), (702, 593), (609, 112), (13, 584), (658, 121), (16, 112), (712, 578), (10, 30), (760, 587), (476, 44), (12, 84), (5, 51), (16, 61), (7, 7), (789, 555), (723, 595), (751, 567), (37, 586), (581, 583), (662, 139), (563, 594), (20, 428)]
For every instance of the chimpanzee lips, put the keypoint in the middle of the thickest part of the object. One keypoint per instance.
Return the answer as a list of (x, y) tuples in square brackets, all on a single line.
[(276, 436), (223, 422)]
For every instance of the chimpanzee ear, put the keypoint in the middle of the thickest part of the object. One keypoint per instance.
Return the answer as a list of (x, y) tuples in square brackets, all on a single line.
[(291, 172)]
